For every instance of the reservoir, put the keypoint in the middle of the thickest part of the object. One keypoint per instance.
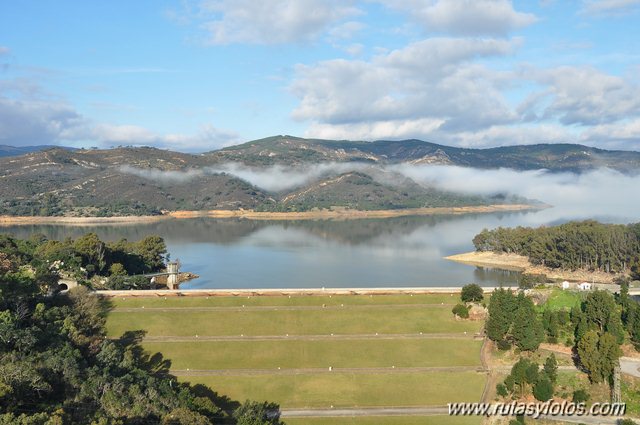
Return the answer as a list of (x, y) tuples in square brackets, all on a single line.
[(391, 252)]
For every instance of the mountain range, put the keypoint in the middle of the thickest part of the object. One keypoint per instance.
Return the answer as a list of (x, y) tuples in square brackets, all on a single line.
[(285, 174)]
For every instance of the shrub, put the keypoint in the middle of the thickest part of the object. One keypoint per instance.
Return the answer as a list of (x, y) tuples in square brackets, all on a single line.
[(580, 396), (543, 390), (501, 390), (504, 345), (461, 311)]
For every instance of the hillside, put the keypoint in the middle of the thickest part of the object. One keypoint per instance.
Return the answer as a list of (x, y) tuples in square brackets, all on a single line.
[(554, 157), (123, 181), (6, 150), (143, 181)]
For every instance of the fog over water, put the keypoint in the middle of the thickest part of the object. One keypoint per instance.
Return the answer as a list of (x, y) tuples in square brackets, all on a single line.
[(404, 251), (602, 193)]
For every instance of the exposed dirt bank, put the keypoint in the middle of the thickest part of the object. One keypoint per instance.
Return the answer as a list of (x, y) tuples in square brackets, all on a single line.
[(7, 220), (336, 213), (521, 263), (343, 213)]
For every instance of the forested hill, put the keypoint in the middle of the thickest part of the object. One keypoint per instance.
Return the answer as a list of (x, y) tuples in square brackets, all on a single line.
[(588, 245), (57, 365)]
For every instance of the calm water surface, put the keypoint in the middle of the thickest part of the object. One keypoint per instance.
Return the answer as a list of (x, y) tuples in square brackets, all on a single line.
[(235, 253)]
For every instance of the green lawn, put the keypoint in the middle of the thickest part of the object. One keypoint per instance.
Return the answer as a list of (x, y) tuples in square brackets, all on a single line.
[(563, 299), (350, 390), (388, 420), (362, 320), (295, 300), (350, 315), (319, 354)]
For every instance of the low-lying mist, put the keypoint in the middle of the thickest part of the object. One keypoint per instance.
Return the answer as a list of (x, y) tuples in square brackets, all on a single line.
[(602, 193)]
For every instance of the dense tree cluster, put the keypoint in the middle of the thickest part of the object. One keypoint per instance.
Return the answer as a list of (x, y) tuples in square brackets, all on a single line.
[(88, 257), (585, 245), (513, 320), (598, 327), (526, 376), (58, 367)]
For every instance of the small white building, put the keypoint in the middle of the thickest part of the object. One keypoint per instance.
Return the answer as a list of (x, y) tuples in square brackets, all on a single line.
[(585, 286), (566, 285)]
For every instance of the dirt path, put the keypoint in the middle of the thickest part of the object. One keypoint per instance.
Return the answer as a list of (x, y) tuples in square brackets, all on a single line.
[(365, 411), (277, 308), (206, 338), (315, 370)]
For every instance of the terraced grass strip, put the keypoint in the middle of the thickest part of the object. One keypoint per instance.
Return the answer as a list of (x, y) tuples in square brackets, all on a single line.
[(319, 354), (282, 322), (351, 390)]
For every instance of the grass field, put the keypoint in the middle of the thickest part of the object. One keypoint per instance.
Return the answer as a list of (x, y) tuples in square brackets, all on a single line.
[(279, 369), (389, 420), (350, 390), (319, 354), (294, 300), (563, 300), (361, 320)]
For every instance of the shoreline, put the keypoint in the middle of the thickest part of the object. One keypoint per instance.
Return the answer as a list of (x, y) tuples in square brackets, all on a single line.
[(275, 292), (342, 214), (521, 263)]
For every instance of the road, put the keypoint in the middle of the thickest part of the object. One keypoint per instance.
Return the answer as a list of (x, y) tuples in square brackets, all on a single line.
[(630, 366), (321, 337)]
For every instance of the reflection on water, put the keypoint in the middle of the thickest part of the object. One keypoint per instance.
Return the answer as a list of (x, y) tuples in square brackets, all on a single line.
[(237, 253)]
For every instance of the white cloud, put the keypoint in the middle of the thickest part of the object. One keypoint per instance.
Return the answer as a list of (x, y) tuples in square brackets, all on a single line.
[(271, 21), (465, 17), (582, 95), (608, 7), (615, 136), (30, 116), (432, 78)]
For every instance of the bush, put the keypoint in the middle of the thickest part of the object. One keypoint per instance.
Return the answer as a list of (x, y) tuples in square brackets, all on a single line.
[(471, 293), (528, 281), (501, 390), (580, 396), (504, 345), (543, 390), (461, 311)]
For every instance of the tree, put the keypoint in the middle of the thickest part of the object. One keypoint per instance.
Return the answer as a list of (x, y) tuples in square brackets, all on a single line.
[(551, 368), (598, 306), (527, 330), (501, 308), (184, 416), (152, 249), (117, 269), (599, 354), (471, 293), (92, 250), (543, 389), (255, 413)]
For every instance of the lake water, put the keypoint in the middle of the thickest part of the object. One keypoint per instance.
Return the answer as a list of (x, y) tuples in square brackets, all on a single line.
[(396, 252)]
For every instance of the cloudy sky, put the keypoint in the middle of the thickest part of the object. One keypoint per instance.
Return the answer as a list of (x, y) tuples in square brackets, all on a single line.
[(195, 75)]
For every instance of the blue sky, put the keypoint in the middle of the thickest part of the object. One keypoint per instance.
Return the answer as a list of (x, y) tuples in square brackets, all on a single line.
[(195, 75)]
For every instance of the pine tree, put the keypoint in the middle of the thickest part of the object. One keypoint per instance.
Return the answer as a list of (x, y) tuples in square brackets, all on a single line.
[(527, 331), (551, 368)]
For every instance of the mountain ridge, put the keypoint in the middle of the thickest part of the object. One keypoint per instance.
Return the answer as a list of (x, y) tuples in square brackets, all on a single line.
[(319, 174)]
